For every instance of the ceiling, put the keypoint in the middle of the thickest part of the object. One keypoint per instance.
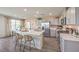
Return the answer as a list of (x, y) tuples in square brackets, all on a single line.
[(26, 12)]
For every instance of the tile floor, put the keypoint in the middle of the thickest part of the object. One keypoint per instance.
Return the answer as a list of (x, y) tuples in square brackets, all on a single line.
[(8, 45)]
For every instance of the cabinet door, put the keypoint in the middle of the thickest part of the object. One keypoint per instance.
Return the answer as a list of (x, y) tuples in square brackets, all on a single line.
[(77, 15), (52, 32), (70, 16), (62, 44)]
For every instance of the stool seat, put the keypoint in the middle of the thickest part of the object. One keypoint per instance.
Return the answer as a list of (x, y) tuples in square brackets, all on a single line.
[(28, 38), (18, 38)]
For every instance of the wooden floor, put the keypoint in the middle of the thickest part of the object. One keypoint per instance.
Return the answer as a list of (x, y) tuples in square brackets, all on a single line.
[(8, 45)]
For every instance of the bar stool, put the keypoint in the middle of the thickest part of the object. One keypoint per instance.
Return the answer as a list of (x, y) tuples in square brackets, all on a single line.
[(18, 38), (28, 38)]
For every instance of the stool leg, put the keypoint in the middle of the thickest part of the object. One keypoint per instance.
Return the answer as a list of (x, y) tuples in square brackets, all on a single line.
[(16, 44), (34, 42), (20, 44), (24, 45), (30, 46)]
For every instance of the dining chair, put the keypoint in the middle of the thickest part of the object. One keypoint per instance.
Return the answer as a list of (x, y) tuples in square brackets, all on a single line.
[(18, 40), (29, 39)]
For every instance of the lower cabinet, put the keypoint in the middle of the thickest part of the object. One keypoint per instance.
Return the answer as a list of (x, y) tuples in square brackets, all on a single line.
[(68, 45), (52, 32), (61, 45)]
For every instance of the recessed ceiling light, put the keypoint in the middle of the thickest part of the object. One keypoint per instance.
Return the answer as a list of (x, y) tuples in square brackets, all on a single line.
[(25, 9), (50, 13)]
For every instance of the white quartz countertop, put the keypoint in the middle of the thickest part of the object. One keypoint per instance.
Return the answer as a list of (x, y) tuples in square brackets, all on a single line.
[(69, 37), (53, 28), (31, 32)]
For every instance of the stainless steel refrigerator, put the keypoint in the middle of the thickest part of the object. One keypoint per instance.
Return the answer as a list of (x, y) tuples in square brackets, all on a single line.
[(46, 27)]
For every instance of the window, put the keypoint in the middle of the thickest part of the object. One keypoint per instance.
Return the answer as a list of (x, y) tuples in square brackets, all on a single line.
[(15, 24), (28, 25), (18, 24)]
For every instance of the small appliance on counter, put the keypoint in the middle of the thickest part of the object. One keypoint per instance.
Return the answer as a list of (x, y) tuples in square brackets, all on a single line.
[(76, 32)]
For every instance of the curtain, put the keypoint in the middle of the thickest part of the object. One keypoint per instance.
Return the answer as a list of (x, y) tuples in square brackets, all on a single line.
[(7, 26)]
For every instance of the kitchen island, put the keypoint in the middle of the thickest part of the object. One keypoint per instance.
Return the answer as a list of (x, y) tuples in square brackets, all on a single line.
[(69, 43), (36, 35)]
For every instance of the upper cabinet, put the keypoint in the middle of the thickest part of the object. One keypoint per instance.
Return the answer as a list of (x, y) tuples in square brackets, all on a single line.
[(77, 15), (70, 16)]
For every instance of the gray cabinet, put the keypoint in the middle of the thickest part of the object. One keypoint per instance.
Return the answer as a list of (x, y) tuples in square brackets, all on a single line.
[(69, 43), (70, 16), (61, 45), (52, 32), (77, 15)]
